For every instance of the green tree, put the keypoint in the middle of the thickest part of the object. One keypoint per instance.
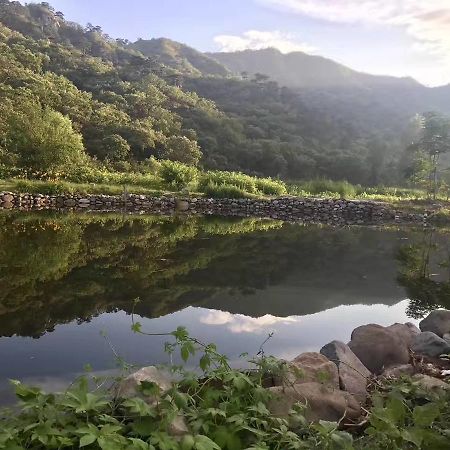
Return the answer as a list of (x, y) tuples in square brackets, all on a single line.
[(434, 141), (43, 138), (115, 148), (182, 149)]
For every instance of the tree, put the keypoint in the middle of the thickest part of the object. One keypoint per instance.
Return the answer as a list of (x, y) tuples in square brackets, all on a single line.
[(115, 148), (43, 138), (434, 141), (182, 149)]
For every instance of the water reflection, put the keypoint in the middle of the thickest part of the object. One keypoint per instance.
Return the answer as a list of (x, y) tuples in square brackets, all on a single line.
[(64, 278)]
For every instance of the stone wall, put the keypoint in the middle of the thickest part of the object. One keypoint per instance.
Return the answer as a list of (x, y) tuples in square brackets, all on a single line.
[(332, 211)]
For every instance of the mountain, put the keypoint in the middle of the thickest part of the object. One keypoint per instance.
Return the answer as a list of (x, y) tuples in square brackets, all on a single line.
[(300, 70), (126, 102), (180, 57)]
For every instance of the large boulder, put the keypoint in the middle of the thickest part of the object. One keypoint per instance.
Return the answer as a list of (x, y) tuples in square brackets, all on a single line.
[(131, 386), (430, 344), (380, 347), (430, 383), (437, 321), (312, 366), (353, 375), (399, 371), (323, 402)]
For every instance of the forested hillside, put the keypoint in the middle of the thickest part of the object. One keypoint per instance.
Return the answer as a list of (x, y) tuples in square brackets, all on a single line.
[(116, 103)]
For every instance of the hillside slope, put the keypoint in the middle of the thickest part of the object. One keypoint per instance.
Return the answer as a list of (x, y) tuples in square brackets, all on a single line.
[(180, 57)]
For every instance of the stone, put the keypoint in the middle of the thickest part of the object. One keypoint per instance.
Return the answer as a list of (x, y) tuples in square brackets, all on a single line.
[(178, 426), (129, 387), (399, 371), (323, 402), (380, 347), (437, 321), (430, 383), (181, 205), (353, 375), (8, 198), (70, 202), (446, 337), (312, 366), (430, 344)]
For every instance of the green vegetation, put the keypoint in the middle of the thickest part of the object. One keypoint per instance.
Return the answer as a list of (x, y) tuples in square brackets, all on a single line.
[(92, 102), (223, 409)]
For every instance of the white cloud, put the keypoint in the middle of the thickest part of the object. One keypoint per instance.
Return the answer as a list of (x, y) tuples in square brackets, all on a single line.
[(427, 22), (238, 323), (257, 40)]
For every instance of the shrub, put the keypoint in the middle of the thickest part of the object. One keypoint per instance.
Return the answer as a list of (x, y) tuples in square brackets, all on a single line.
[(325, 186), (270, 187), (177, 175), (223, 191), (240, 180)]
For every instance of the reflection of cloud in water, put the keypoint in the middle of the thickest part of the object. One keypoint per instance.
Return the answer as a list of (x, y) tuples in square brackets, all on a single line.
[(238, 323)]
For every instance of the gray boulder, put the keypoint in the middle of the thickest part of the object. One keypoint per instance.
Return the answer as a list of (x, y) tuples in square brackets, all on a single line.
[(399, 371), (130, 386), (430, 344), (380, 347), (437, 321), (353, 375), (430, 383), (312, 366), (323, 402)]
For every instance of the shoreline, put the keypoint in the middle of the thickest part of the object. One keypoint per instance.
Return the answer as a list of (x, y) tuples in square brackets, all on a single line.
[(290, 209)]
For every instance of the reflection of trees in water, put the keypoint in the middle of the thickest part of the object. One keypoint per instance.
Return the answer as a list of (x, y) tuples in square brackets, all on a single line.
[(58, 268), (424, 271)]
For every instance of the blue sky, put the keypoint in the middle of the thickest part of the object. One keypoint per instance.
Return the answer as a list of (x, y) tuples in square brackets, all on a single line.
[(397, 37)]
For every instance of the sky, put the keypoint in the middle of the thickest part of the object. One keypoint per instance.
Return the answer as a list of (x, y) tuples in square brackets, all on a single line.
[(392, 37)]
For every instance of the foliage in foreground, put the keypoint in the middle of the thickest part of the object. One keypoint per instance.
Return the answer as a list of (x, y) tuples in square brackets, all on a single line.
[(224, 409)]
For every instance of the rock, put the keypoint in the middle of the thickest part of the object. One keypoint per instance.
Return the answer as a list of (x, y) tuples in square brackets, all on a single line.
[(323, 402), (430, 383), (380, 347), (446, 337), (181, 205), (430, 344), (312, 366), (70, 202), (129, 387), (398, 371), (437, 321), (353, 375), (8, 198), (178, 427)]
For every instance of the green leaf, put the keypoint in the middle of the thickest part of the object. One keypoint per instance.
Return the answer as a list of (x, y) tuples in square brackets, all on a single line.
[(205, 362), (87, 439), (413, 435), (425, 415), (187, 443), (205, 443)]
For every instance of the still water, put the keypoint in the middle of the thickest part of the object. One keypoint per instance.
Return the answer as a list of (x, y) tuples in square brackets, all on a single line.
[(68, 285)]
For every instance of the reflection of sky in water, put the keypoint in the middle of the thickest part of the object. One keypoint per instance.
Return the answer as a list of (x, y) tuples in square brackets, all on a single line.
[(56, 357)]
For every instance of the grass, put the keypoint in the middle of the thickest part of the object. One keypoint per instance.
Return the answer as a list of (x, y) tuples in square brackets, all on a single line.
[(59, 187), (172, 178)]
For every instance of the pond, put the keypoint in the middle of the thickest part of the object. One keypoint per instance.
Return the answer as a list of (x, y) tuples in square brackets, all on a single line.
[(69, 284)]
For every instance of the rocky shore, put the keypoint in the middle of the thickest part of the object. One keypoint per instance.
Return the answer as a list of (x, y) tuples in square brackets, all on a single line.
[(330, 211), (336, 382)]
